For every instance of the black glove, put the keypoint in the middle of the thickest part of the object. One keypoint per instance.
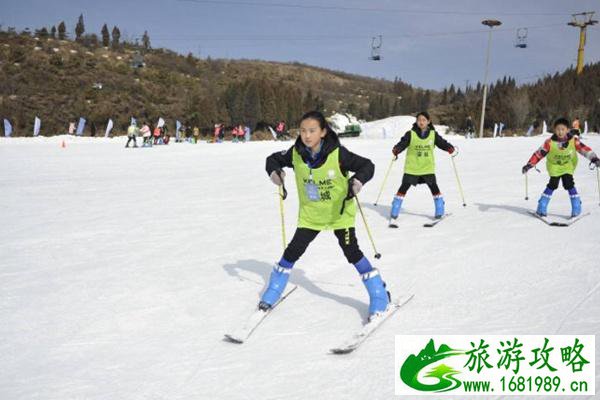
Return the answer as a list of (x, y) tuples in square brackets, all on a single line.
[(596, 162), (526, 168)]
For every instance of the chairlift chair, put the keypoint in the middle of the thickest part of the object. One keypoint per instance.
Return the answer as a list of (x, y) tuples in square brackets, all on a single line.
[(376, 43), (521, 41)]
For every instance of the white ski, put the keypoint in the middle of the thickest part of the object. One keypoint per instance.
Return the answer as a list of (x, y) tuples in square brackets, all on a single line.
[(436, 221), (256, 318), (563, 223), (367, 329), (572, 220)]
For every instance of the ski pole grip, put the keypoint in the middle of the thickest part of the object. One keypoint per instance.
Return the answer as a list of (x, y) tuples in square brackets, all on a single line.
[(284, 191)]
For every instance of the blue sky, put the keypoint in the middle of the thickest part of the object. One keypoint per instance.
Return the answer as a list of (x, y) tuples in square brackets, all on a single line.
[(423, 47)]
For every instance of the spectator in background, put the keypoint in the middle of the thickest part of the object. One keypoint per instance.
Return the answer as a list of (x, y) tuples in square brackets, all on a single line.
[(216, 133), (280, 130), (196, 135), (222, 133), (146, 135), (234, 134), (576, 127), (470, 128), (132, 132), (157, 133), (240, 133), (247, 133), (165, 135)]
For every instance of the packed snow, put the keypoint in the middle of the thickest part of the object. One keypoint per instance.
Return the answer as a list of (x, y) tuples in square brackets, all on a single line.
[(122, 269), (392, 127)]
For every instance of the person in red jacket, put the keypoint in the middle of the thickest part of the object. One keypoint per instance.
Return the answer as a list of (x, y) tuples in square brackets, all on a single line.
[(280, 130), (240, 135), (234, 134), (561, 150), (157, 135)]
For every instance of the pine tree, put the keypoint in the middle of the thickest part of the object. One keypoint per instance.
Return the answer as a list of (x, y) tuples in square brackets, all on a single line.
[(79, 28), (252, 106), (116, 36), (42, 33), (62, 31), (53, 32), (105, 36), (146, 41)]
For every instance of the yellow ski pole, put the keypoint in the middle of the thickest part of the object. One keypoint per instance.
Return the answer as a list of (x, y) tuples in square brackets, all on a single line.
[(377, 254), (385, 180), (458, 181), (282, 196), (282, 215)]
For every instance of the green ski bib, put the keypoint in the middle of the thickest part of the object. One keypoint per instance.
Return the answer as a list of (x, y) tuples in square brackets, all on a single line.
[(561, 161), (419, 156), (321, 193)]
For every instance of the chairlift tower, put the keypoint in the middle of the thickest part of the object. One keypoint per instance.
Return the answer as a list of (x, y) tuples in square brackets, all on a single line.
[(582, 21), (491, 23)]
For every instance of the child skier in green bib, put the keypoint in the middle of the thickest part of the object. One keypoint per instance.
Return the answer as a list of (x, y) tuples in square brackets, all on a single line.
[(321, 166), (561, 151), (419, 166)]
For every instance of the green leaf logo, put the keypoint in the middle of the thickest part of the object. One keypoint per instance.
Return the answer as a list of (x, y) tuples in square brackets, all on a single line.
[(413, 365)]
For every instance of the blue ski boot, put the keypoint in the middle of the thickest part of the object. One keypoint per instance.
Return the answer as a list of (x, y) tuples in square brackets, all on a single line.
[(575, 202), (542, 208), (396, 206), (277, 282), (379, 297), (439, 206)]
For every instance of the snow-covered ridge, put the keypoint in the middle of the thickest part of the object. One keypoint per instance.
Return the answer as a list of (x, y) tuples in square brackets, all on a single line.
[(392, 127)]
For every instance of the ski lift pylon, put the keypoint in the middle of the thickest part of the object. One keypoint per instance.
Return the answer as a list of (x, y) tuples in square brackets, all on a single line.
[(521, 41), (376, 43)]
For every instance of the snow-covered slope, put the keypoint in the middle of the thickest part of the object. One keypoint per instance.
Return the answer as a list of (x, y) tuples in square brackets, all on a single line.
[(392, 127), (121, 269)]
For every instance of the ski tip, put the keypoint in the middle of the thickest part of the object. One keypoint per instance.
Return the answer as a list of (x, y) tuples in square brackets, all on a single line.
[(338, 351), (232, 339)]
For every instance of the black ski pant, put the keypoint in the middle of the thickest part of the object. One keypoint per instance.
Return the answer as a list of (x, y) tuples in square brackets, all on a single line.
[(409, 180), (303, 237), (130, 139), (567, 182)]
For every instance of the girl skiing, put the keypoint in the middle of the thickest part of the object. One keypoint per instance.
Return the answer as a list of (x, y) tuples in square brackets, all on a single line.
[(419, 166), (321, 165), (561, 152)]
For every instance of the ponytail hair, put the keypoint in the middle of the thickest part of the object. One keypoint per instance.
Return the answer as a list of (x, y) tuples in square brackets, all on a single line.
[(320, 118)]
